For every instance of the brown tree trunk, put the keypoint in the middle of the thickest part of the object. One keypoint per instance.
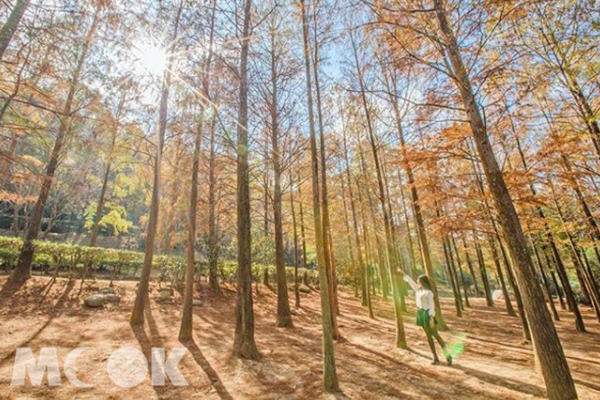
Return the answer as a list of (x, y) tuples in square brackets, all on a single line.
[(329, 256), (559, 291), (491, 243), (295, 230), (389, 241), (11, 25), (302, 231), (284, 315), (368, 257), (562, 273), (460, 269), (22, 271), (213, 235), (509, 308), (244, 345), (453, 282), (102, 199), (513, 283), (137, 313), (353, 267), (361, 263), (330, 379), (470, 265), (419, 222), (553, 363), (484, 278), (186, 330), (545, 282)]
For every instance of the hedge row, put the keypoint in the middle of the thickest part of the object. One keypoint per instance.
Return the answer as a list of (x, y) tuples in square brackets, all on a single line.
[(61, 256)]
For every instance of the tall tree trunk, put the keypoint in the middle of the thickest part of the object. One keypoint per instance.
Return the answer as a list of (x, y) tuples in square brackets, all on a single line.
[(513, 283), (107, 171), (349, 238), (470, 265), (22, 271), (419, 222), (169, 224), (545, 282), (453, 282), (11, 25), (392, 262), (450, 267), (101, 200), (562, 273), (137, 313), (548, 233), (490, 239), (302, 231), (244, 345), (186, 328), (330, 379), (484, 278), (592, 287), (413, 259), (395, 242), (553, 363), (509, 308), (454, 272), (284, 315), (369, 260), (295, 229), (460, 269), (361, 262), (329, 256), (213, 235)]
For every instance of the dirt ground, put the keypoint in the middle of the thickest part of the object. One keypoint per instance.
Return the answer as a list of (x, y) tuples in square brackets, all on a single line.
[(495, 364)]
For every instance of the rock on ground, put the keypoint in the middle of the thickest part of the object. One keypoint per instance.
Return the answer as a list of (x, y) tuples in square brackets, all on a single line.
[(95, 300)]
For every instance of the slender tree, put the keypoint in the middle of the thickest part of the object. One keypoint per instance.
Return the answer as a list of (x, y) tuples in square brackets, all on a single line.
[(137, 313), (23, 270), (244, 345), (12, 23), (186, 328), (284, 315), (330, 379), (553, 363)]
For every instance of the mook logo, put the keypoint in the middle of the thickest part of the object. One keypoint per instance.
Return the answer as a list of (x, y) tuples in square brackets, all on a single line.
[(127, 367)]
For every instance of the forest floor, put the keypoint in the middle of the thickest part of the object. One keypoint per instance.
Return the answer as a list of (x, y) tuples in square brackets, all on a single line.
[(496, 364)]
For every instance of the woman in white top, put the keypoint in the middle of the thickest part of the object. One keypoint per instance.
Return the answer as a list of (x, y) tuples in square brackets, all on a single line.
[(426, 314)]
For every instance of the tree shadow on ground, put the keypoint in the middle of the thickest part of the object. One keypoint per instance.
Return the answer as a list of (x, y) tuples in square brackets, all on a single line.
[(203, 363), (508, 383), (10, 288), (587, 384), (59, 304), (147, 343)]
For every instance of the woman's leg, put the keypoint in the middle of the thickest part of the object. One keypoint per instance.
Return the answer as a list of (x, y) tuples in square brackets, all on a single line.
[(434, 333), (428, 332)]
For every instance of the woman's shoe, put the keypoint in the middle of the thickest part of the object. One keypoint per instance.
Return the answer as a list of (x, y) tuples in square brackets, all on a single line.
[(449, 360), (435, 361)]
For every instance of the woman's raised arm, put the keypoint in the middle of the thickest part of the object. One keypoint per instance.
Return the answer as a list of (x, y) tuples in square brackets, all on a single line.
[(411, 282)]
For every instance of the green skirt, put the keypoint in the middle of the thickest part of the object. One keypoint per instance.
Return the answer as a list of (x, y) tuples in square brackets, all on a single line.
[(423, 317)]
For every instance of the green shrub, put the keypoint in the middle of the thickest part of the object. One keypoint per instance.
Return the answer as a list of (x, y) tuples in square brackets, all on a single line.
[(75, 258)]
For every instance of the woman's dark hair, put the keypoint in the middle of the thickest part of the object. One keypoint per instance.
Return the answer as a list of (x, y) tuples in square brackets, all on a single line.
[(424, 281)]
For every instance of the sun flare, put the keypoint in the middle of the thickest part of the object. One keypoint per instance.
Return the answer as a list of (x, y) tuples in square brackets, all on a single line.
[(150, 59)]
